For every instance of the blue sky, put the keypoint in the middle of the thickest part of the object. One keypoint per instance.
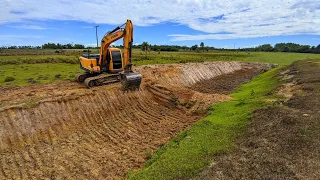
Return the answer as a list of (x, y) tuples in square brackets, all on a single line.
[(219, 23)]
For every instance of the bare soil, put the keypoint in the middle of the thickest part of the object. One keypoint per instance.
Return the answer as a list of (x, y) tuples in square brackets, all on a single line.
[(282, 141), (65, 131)]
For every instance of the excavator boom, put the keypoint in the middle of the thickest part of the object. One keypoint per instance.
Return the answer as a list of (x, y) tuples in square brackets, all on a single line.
[(116, 34)]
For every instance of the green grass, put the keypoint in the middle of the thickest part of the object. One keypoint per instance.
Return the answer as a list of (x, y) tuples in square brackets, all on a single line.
[(280, 57), (191, 150), (34, 59), (26, 74), (35, 66), (141, 58)]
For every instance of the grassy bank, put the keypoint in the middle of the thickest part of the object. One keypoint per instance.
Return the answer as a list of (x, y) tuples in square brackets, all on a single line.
[(190, 151)]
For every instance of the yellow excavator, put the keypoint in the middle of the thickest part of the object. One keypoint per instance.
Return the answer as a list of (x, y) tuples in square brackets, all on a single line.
[(111, 65)]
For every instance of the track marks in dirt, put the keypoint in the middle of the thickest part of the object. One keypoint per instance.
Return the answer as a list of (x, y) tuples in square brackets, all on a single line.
[(108, 132), (101, 133)]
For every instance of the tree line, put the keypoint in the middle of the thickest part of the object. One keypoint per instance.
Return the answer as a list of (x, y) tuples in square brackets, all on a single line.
[(20, 47), (62, 46), (47, 46), (145, 46), (285, 47), (280, 47)]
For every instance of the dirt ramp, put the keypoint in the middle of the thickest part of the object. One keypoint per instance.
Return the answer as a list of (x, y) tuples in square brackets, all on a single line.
[(66, 131)]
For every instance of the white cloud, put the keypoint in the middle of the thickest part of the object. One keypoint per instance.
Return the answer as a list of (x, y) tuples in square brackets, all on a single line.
[(240, 18), (33, 27)]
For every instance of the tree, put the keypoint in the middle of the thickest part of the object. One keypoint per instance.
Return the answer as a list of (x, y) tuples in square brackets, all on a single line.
[(78, 46), (286, 49), (304, 49), (265, 48), (292, 47), (68, 46), (145, 46), (155, 48), (59, 46), (194, 47), (12, 47), (49, 46), (317, 50), (202, 45)]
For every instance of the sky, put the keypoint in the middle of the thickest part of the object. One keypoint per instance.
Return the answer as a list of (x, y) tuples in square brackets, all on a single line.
[(217, 23)]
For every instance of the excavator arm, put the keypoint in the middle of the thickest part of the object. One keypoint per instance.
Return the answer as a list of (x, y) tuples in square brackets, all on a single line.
[(119, 32)]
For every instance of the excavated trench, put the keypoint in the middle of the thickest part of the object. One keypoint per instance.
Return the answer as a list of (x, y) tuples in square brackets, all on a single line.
[(63, 130)]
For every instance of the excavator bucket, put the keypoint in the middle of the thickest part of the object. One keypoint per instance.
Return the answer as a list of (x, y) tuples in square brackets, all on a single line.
[(130, 80)]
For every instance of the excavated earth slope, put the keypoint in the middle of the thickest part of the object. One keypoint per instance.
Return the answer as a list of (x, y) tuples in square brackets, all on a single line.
[(64, 130), (282, 141)]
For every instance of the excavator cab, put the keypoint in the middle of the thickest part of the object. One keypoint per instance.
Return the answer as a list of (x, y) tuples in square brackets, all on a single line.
[(112, 63), (114, 60)]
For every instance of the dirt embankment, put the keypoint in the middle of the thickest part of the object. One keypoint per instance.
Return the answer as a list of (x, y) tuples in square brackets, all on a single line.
[(226, 83), (283, 141), (64, 130)]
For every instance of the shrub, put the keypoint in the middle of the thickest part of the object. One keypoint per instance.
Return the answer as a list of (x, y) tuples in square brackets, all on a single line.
[(9, 79), (57, 76), (31, 81)]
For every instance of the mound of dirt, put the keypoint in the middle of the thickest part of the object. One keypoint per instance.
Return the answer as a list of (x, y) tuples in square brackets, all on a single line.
[(64, 130), (283, 141)]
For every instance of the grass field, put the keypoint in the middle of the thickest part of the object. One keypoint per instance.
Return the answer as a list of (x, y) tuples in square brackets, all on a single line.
[(26, 74), (43, 65), (185, 57)]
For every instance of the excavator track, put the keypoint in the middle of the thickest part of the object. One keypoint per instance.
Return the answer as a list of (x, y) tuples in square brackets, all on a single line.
[(101, 79), (81, 77), (129, 80)]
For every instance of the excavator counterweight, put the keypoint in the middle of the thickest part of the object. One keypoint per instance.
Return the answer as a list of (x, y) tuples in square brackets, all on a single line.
[(111, 65)]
